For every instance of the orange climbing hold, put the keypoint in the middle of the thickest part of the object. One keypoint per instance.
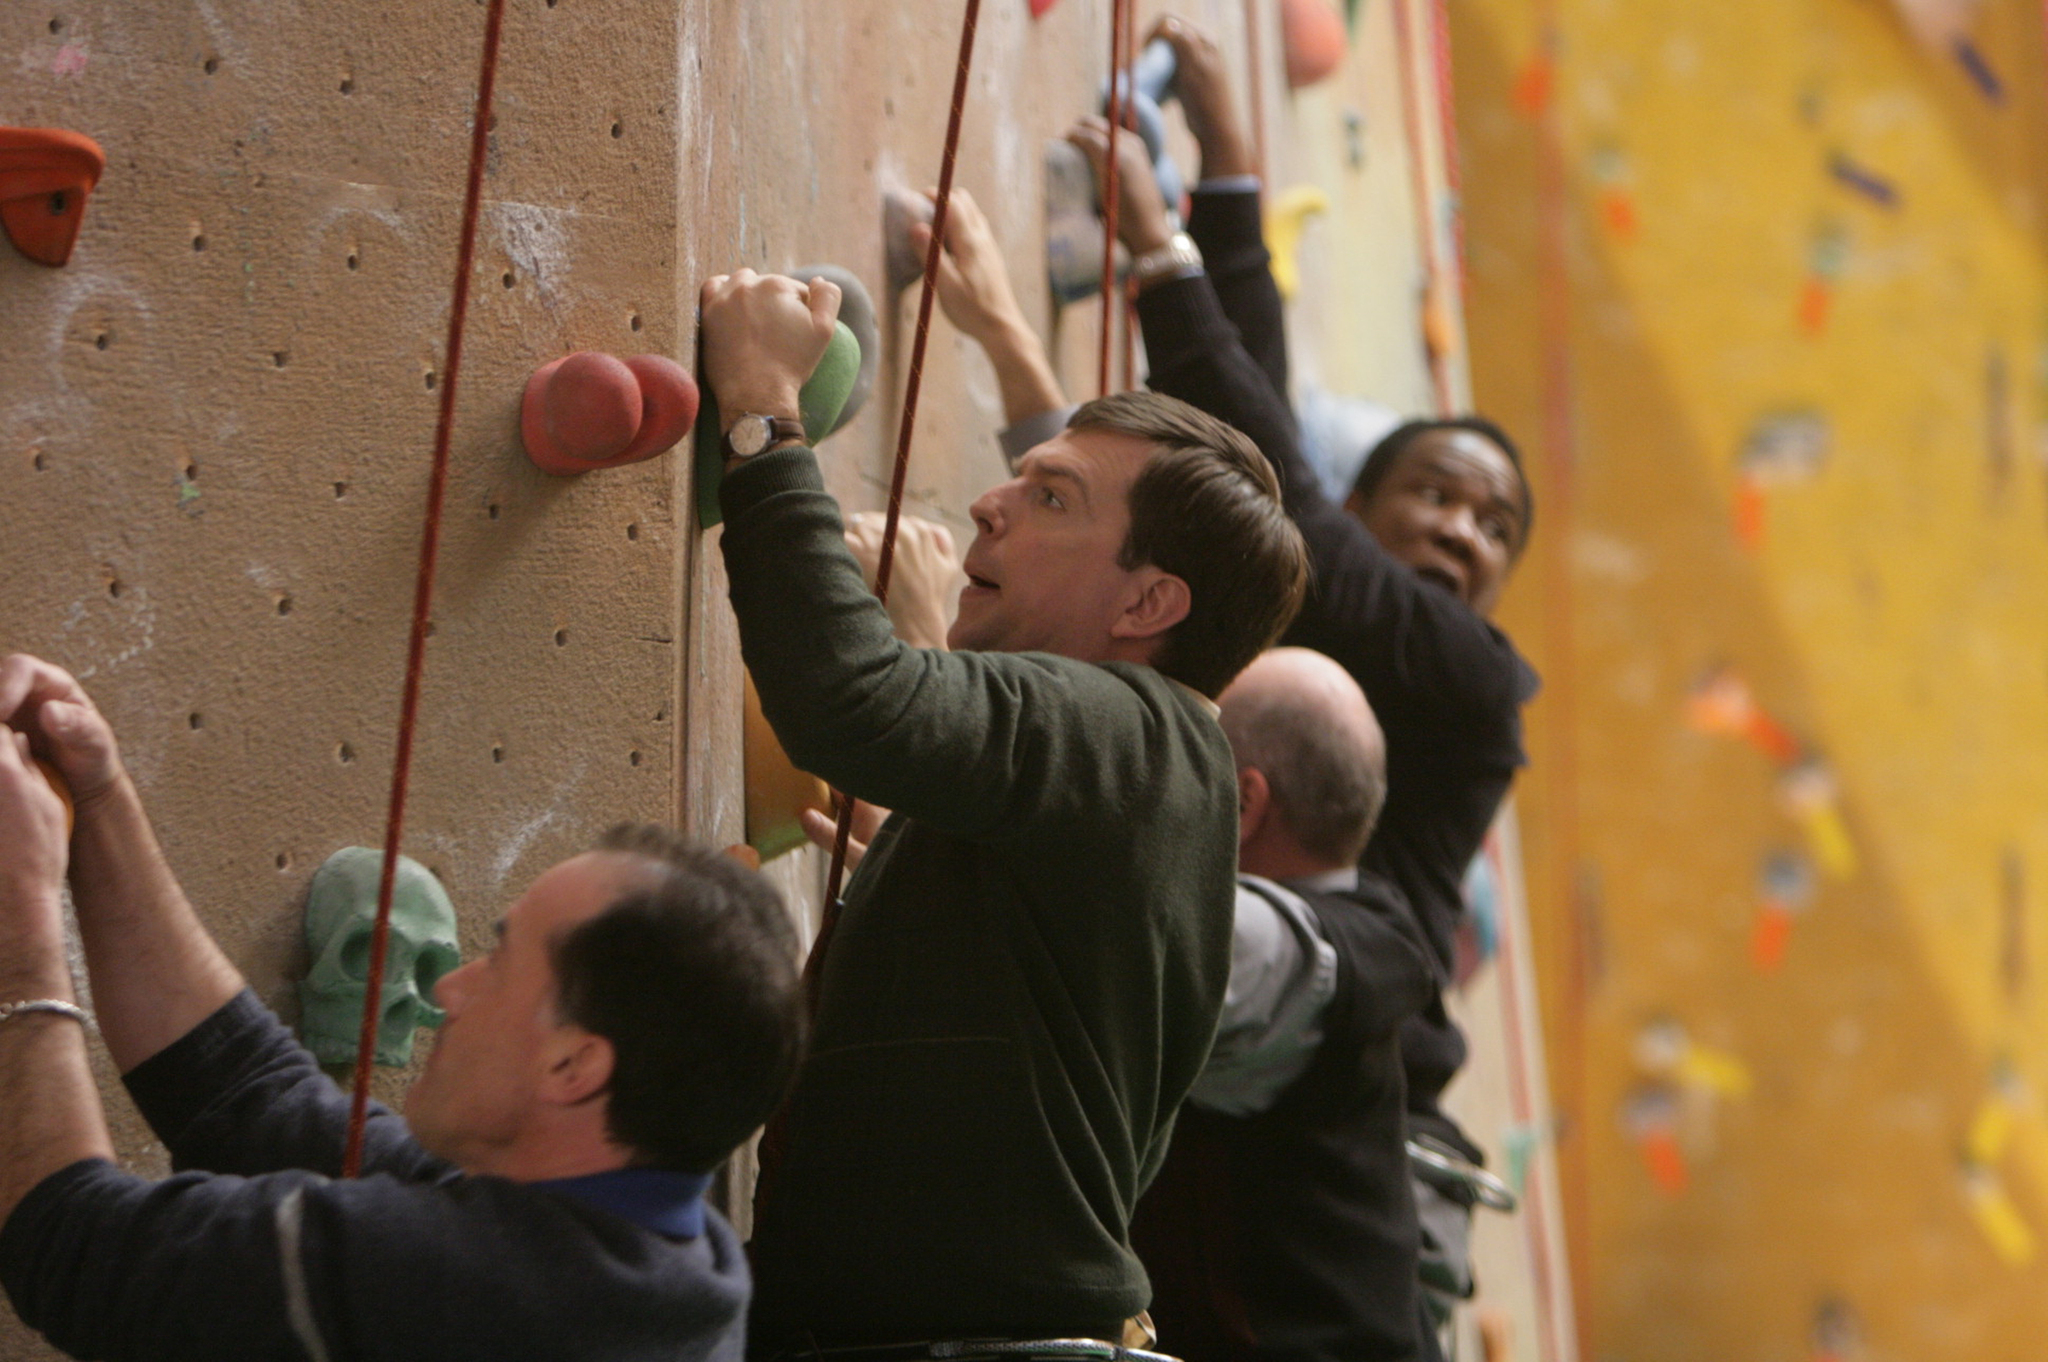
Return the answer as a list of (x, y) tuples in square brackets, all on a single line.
[(1315, 39), (46, 175), (591, 410)]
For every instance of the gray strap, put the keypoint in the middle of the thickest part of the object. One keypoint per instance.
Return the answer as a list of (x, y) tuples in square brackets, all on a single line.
[(298, 1299)]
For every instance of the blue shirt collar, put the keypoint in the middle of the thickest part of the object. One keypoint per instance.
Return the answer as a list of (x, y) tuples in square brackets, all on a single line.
[(668, 1203)]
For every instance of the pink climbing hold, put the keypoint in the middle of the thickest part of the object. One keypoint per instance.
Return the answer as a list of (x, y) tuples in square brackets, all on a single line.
[(1314, 35), (591, 410)]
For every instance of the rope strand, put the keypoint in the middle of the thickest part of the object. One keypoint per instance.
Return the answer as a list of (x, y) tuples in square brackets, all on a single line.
[(423, 595), (940, 203), (1111, 202)]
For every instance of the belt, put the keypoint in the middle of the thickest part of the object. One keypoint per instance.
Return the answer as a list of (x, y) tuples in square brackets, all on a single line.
[(977, 1350)]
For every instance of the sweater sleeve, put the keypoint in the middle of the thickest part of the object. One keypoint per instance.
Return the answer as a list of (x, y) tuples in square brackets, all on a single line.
[(1418, 651), (1227, 228), (237, 1094), (107, 1265), (290, 1265), (987, 746)]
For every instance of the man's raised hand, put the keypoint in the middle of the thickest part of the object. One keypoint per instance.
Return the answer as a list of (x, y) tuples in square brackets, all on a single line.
[(974, 283), (34, 843), (1205, 97), (763, 335), (923, 580), (1141, 213), (46, 702)]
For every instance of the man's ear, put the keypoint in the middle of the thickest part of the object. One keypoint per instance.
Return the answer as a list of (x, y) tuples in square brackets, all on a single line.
[(1163, 601), (1254, 802), (579, 1067)]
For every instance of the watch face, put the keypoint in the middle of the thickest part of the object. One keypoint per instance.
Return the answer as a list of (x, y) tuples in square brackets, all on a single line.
[(749, 436)]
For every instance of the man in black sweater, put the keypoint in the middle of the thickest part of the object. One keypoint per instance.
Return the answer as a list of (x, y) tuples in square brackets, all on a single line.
[(1406, 572), (637, 1018), (1027, 971), (1281, 1228)]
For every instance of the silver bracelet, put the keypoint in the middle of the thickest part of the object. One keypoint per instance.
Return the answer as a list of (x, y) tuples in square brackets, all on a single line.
[(56, 1005)]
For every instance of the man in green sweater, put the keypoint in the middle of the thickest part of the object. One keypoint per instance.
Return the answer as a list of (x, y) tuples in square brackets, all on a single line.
[(1027, 972)]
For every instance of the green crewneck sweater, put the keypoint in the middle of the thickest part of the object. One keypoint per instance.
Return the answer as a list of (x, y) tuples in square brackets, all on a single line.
[(1028, 971)]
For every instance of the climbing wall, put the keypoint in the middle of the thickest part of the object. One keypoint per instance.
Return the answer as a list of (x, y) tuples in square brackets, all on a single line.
[(216, 421), (1763, 287)]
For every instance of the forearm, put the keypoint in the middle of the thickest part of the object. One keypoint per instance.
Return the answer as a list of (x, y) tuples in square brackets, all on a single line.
[(1199, 357), (1024, 372), (1228, 227), (50, 1113), (156, 972)]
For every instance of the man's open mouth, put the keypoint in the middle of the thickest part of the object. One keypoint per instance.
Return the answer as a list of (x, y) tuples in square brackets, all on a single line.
[(1442, 578)]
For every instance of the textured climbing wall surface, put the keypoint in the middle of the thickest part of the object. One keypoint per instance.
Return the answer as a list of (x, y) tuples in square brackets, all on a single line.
[(1779, 270), (215, 427), (216, 422)]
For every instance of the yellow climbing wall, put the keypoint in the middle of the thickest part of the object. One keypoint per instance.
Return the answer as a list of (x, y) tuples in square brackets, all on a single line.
[(1763, 289)]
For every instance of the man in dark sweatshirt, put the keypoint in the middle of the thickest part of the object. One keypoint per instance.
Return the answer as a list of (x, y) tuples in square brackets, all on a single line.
[(1028, 968), (638, 1017), (1407, 571), (1281, 1228)]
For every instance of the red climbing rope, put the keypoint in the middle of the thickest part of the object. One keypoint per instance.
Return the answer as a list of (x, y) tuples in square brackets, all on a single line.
[(1119, 21), (1130, 298), (1435, 304), (1256, 82), (423, 592), (940, 202)]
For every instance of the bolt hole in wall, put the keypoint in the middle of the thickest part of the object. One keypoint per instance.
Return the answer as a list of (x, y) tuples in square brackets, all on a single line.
[(195, 721), (618, 129), (103, 340), (284, 605), (57, 25), (280, 358), (431, 379), (114, 588), (211, 65), (284, 860), (633, 758), (633, 532), (561, 638), (41, 461), (348, 85), (508, 279), (492, 510), (355, 260), (199, 241), (633, 322), (497, 754), (340, 490)]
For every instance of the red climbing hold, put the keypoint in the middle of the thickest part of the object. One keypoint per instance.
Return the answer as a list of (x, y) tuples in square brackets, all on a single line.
[(46, 175), (1314, 35), (591, 410)]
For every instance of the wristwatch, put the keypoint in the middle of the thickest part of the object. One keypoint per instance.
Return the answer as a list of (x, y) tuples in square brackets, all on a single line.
[(1179, 258), (754, 432)]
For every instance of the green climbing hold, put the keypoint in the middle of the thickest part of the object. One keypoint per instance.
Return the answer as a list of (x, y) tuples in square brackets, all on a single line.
[(820, 402)]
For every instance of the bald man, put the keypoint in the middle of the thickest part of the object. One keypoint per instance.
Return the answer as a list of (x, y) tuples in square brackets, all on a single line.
[(1283, 1225)]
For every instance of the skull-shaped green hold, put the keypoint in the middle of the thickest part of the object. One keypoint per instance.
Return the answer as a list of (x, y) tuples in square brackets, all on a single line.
[(341, 917)]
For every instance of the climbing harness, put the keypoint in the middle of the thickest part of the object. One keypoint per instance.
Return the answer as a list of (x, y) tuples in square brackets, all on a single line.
[(423, 592)]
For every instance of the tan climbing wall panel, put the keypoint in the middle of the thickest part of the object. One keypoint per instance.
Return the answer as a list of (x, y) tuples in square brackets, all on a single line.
[(215, 428)]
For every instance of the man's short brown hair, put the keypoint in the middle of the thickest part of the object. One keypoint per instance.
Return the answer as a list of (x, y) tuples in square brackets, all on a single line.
[(1206, 508)]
